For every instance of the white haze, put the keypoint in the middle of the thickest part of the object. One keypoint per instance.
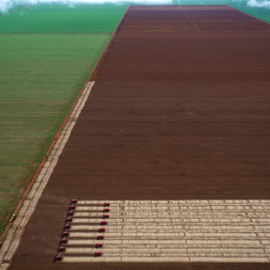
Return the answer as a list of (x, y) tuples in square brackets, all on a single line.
[(259, 4), (6, 5)]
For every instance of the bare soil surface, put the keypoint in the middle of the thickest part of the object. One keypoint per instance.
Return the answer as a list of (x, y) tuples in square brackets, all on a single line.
[(180, 110)]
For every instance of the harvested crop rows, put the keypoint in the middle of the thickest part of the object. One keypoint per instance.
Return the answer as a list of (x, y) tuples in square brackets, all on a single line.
[(179, 111), (167, 231)]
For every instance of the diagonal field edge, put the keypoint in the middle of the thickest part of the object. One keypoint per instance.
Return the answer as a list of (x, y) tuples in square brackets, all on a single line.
[(257, 18), (42, 163), (58, 133), (43, 174), (4, 265)]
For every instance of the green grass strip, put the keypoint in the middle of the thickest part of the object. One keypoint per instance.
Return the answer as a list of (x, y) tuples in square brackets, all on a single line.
[(41, 76), (55, 19)]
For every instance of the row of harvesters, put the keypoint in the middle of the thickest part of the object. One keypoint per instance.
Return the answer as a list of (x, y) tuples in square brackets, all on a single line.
[(67, 226)]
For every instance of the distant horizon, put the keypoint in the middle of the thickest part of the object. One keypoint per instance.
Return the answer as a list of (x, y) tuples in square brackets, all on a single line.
[(7, 5)]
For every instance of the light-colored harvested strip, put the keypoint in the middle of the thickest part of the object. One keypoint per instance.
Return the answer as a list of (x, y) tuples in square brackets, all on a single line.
[(225, 228), (172, 244), (86, 227), (183, 254), (79, 250), (180, 228), (126, 236), (83, 234), (166, 221), (107, 250), (192, 244), (199, 259), (230, 259), (88, 259), (80, 202), (223, 243), (12, 240), (81, 242), (155, 259), (81, 259), (189, 203), (93, 208), (86, 220), (4, 266), (176, 214), (233, 230), (236, 231), (118, 242), (222, 208), (169, 235), (88, 214), (95, 220)]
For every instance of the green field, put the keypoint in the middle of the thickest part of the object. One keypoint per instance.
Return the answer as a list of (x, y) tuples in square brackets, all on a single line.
[(92, 18), (56, 19), (41, 75)]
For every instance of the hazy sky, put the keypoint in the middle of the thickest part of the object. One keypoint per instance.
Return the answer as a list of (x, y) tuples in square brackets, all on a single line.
[(5, 5), (260, 4)]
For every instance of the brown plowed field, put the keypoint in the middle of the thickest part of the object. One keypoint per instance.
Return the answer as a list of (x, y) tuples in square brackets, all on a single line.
[(180, 110)]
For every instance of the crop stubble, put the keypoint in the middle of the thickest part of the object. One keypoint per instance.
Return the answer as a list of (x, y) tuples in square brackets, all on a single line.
[(180, 110)]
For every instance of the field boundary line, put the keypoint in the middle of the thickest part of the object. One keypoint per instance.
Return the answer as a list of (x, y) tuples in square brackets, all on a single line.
[(247, 14), (43, 162), (2, 237), (46, 168), (93, 74), (14, 232)]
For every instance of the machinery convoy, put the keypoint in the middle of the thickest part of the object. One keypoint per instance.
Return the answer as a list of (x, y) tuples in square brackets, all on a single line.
[(67, 226)]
